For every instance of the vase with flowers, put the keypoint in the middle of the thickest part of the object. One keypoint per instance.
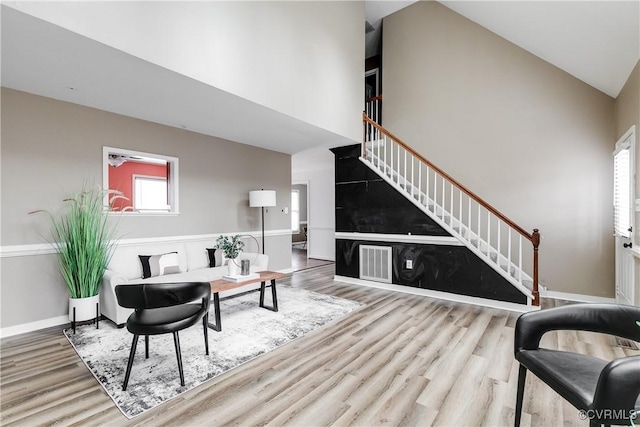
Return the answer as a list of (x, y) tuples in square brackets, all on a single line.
[(231, 246)]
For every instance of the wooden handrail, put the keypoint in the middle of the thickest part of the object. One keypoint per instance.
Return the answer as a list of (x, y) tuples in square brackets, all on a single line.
[(374, 98), (533, 237), (487, 206)]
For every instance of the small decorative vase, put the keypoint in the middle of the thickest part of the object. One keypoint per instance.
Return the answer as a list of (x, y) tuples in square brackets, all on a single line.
[(85, 308), (234, 267), (245, 266)]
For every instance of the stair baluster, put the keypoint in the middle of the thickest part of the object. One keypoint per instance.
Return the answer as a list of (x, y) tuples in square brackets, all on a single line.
[(394, 168)]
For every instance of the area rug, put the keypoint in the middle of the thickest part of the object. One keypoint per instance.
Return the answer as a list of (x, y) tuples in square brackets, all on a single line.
[(247, 332)]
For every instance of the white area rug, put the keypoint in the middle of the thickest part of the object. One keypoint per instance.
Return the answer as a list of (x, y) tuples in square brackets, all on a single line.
[(247, 332)]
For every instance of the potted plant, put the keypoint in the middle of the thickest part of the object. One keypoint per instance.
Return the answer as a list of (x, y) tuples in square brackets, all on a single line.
[(83, 238), (231, 246)]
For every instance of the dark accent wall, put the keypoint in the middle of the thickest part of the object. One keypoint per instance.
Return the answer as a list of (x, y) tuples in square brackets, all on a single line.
[(365, 203)]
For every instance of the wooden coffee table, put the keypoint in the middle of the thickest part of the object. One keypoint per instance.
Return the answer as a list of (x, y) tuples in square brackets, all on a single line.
[(220, 285)]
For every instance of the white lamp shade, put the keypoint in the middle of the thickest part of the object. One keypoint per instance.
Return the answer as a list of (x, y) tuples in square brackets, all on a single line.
[(262, 198)]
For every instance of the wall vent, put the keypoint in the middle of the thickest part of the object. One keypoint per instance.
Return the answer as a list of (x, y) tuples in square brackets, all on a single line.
[(375, 263)]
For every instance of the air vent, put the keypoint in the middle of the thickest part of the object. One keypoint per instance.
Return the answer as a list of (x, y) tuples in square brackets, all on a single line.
[(375, 263)]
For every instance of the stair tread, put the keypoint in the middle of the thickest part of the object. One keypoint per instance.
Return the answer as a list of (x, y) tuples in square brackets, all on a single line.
[(440, 214)]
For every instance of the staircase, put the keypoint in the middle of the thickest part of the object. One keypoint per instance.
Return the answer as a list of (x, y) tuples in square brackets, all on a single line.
[(498, 241)]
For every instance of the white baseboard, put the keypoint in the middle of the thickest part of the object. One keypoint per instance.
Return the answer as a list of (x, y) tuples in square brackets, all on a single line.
[(575, 297), (510, 306), (33, 326), (323, 258)]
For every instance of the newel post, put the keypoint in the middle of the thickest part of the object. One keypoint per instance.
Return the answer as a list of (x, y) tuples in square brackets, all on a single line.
[(535, 239), (364, 135)]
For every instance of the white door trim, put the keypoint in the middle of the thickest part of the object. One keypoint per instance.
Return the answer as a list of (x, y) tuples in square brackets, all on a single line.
[(624, 253)]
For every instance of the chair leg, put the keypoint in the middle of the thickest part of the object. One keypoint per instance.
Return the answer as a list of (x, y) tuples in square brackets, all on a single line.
[(205, 321), (132, 354), (522, 374), (146, 346), (176, 341)]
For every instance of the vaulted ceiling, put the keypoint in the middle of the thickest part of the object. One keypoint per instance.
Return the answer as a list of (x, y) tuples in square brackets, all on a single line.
[(597, 42)]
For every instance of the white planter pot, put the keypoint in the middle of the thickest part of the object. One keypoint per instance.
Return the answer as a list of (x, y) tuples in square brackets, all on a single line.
[(234, 267), (85, 308)]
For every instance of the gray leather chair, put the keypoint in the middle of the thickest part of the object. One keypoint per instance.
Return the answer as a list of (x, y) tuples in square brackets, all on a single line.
[(163, 308), (607, 392)]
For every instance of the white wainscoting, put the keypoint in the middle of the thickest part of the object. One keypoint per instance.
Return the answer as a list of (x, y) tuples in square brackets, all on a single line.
[(401, 238), (46, 249), (29, 250)]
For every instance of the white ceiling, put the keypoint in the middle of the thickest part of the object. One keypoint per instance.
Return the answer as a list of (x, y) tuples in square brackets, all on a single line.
[(597, 42), (41, 58)]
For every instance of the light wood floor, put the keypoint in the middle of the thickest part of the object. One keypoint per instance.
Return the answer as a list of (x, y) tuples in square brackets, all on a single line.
[(401, 360), (299, 260)]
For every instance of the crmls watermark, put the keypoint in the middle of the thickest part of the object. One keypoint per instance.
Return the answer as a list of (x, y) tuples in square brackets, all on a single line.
[(615, 414)]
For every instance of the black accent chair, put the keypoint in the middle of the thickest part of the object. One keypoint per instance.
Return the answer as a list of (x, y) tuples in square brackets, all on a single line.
[(163, 308), (607, 392)]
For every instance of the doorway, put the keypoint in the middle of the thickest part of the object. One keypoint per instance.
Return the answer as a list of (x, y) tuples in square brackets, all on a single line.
[(299, 223), (623, 218), (302, 228)]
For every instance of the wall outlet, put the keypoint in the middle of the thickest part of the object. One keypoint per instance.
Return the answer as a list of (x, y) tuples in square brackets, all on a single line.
[(286, 210), (409, 264)]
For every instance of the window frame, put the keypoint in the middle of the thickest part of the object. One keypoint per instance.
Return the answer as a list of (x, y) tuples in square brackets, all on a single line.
[(173, 181), (140, 177), (295, 212)]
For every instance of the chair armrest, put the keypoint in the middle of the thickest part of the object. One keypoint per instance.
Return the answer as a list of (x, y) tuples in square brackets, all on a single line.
[(259, 262), (108, 302), (619, 386), (612, 319), (262, 262)]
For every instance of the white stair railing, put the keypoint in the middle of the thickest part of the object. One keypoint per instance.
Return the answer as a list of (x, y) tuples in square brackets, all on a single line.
[(505, 246), (373, 109)]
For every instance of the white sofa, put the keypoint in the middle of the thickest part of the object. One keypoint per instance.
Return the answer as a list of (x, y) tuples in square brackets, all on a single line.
[(125, 268)]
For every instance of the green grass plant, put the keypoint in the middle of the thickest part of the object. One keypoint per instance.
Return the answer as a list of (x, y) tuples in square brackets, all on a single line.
[(84, 238)]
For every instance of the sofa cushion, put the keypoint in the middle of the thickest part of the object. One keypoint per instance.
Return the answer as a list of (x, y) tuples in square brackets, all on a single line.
[(159, 265), (216, 257), (125, 259), (200, 275), (197, 255)]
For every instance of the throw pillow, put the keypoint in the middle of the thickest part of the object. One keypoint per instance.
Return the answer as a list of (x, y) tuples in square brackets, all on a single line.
[(216, 257), (159, 265)]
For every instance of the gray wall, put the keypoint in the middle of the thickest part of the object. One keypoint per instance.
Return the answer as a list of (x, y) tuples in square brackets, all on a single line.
[(49, 147), (530, 139)]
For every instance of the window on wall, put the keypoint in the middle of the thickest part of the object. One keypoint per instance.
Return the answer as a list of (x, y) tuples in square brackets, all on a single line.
[(621, 191), (150, 194), (120, 168), (295, 211)]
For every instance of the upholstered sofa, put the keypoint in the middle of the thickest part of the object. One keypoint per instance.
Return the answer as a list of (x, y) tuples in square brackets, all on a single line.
[(192, 258)]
